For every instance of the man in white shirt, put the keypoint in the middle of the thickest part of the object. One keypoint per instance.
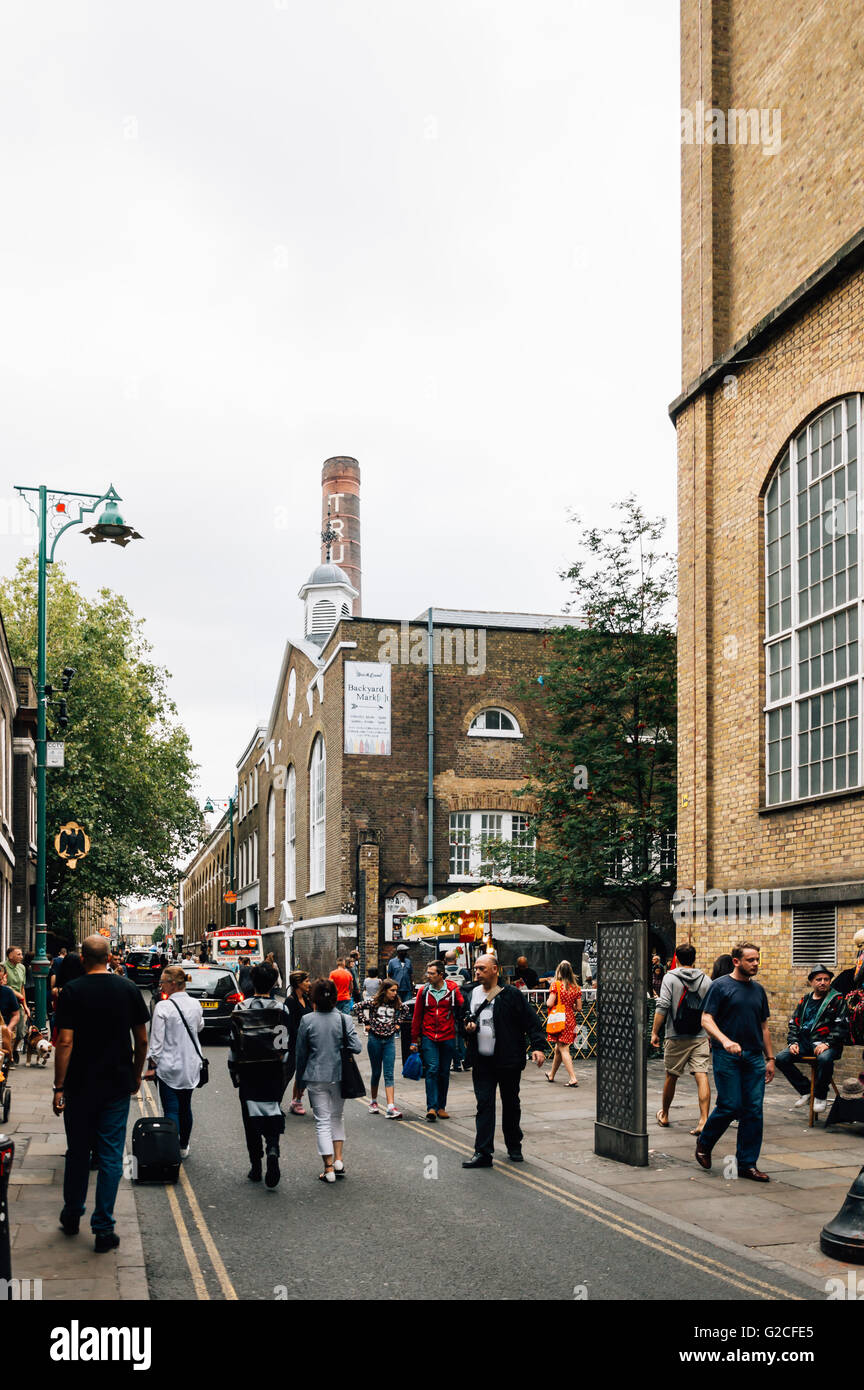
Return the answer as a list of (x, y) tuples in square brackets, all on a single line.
[(174, 1054)]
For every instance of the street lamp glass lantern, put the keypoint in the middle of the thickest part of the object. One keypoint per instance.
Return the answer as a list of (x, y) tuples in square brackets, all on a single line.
[(111, 527)]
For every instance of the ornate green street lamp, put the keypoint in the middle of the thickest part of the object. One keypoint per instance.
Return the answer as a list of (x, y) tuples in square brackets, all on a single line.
[(209, 810), (56, 512)]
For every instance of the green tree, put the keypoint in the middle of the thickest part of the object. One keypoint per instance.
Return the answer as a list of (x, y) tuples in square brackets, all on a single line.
[(603, 776), (128, 768)]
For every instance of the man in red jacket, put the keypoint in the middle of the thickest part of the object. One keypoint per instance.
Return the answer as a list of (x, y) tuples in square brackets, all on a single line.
[(433, 1032)]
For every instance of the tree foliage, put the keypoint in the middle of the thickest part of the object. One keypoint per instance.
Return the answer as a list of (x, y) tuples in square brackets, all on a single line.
[(604, 775), (128, 768)]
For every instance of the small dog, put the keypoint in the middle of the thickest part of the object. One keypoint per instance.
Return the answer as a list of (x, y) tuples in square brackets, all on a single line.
[(38, 1047)]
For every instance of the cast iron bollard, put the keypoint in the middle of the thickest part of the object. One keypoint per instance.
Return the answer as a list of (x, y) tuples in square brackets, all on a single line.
[(621, 1128), (7, 1156), (843, 1238)]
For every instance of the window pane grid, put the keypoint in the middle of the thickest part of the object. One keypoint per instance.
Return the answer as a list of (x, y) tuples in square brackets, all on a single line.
[(822, 727)]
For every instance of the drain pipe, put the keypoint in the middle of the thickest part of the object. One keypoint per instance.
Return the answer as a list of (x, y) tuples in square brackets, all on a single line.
[(430, 765)]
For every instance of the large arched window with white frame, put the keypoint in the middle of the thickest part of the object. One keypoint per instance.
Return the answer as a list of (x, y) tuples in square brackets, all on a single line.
[(271, 850), (812, 610), (291, 835), (317, 816)]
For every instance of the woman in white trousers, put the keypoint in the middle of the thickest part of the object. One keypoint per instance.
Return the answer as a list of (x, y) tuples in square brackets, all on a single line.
[(320, 1039)]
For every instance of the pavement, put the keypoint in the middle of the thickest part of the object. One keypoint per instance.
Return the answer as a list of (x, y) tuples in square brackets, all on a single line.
[(663, 1231), (67, 1266)]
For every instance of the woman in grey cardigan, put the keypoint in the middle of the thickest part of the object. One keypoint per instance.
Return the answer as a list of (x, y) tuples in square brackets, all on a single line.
[(319, 1072)]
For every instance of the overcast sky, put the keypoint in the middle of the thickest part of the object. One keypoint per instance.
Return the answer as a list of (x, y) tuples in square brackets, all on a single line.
[(240, 236)]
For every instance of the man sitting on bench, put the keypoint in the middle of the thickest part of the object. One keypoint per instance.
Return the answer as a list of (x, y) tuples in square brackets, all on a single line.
[(816, 1029)]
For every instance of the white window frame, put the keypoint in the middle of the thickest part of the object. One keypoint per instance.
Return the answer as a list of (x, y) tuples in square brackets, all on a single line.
[(291, 835), (271, 848), (477, 830), (515, 732), (317, 817), (797, 624)]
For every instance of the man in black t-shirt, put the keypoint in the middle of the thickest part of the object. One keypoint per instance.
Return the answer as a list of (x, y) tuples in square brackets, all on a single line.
[(735, 1017), (95, 1074)]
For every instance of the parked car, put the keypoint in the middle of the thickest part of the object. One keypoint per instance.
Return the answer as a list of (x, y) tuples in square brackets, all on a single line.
[(141, 968), (217, 992)]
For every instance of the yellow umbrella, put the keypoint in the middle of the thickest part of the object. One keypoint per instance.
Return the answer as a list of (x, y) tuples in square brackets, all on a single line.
[(487, 898)]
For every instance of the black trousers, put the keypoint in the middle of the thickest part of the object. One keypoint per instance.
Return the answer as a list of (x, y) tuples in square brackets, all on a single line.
[(486, 1077), (262, 1131)]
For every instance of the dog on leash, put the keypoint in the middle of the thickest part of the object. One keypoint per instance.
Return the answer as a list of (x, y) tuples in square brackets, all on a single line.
[(38, 1048)]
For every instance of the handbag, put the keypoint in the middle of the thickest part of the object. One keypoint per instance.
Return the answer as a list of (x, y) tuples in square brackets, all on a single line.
[(556, 1019), (205, 1061), (412, 1067), (351, 1085)]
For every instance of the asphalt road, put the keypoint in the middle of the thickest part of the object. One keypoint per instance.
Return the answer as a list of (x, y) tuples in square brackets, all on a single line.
[(406, 1222)]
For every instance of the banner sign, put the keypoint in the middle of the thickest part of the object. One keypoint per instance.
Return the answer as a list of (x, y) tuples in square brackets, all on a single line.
[(367, 707)]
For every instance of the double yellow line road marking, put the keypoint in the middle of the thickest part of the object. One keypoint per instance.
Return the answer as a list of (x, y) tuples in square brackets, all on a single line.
[(147, 1102), (660, 1244)]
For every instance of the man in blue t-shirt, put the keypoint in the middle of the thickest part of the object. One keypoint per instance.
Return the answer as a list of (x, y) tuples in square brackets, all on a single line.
[(735, 1017)]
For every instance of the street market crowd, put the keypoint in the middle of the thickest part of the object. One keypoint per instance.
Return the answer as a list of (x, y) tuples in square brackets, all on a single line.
[(309, 1036)]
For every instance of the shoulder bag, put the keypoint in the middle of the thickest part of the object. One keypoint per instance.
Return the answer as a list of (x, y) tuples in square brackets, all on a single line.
[(351, 1086), (205, 1062), (556, 1019)]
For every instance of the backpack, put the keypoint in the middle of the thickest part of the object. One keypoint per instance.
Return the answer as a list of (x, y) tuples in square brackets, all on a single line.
[(854, 1004), (688, 1015), (260, 1035)]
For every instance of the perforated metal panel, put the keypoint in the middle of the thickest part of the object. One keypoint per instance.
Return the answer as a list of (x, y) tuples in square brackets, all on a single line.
[(622, 958)]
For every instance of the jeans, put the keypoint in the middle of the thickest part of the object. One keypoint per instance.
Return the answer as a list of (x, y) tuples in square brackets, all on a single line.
[(101, 1127), (437, 1057), (177, 1106), (345, 1006), (382, 1055), (740, 1082), (824, 1067), (327, 1105), (486, 1077)]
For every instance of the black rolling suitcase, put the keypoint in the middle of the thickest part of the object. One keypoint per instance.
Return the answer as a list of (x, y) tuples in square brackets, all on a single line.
[(155, 1150)]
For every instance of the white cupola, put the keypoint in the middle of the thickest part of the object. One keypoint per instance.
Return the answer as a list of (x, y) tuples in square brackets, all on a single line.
[(327, 595)]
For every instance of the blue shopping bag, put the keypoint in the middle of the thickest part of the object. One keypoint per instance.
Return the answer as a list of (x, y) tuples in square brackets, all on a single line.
[(412, 1067)]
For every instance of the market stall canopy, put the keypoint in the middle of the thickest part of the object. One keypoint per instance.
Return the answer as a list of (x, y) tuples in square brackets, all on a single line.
[(516, 932), (457, 902), (489, 898)]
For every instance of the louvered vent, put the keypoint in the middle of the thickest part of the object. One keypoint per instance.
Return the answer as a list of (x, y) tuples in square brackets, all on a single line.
[(814, 936), (323, 617)]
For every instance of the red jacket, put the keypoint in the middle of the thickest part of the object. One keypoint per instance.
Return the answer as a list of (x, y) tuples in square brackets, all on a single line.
[(436, 1019)]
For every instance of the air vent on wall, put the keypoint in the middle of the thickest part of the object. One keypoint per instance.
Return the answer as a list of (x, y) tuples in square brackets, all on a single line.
[(814, 936)]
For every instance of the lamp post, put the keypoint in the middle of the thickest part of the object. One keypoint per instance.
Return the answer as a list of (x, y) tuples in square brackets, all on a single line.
[(209, 808), (53, 511)]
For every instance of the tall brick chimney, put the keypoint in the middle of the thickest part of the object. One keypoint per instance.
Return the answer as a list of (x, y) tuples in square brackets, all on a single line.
[(340, 488)]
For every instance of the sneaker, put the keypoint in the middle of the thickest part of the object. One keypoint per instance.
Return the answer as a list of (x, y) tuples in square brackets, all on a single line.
[(254, 1174), (105, 1240), (819, 1106), (802, 1100), (393, 1113), (373, 1108), (272, 1176), (184, 1153), (70, 1226), (295, 1108)]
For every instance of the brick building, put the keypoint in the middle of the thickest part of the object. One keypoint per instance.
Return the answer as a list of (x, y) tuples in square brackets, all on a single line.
[(769, 424)]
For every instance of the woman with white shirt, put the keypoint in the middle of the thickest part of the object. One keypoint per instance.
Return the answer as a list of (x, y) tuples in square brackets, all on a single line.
[(175, 1056)]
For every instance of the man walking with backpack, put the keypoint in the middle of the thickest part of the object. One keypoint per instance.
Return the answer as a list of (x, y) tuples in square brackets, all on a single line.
[(682, 994), (433, 1032), (259, 1065)]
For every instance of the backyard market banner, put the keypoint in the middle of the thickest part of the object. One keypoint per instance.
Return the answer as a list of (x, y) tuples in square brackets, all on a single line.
[(367, 707)]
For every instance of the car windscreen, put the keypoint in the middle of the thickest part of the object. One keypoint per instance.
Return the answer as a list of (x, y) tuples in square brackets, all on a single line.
[(216, 982)]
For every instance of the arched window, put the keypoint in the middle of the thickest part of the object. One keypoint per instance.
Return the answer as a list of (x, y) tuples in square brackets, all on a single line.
[(291, 836), (494, 723), (317, 816), (271, 850), (812, 610)]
